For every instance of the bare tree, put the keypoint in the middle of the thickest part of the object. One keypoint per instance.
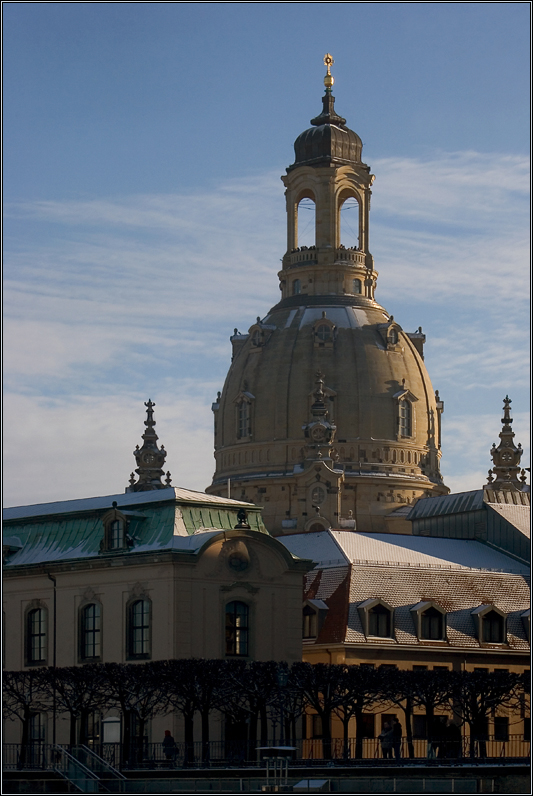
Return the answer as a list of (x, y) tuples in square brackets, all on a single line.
[(139, 691), (478, 694), (24, 696), (78, 691), (320, 685), (359, 688)]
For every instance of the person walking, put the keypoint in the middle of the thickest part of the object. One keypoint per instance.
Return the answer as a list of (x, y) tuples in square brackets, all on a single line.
[(169, 747), (397, 738), (385, 737)]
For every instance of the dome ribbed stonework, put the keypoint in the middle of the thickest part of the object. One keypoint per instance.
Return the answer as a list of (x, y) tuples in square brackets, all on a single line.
[(375, 447)]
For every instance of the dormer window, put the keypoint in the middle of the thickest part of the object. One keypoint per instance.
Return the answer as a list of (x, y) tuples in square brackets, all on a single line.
[(115, 532), (405, 412), (379, 622), (116, 535), (393, 337), (406, 419), (310, 623), (491, 624), (377, 618), (429, 620), (324, 332), (432, 624), (314, 615), (493, 628)]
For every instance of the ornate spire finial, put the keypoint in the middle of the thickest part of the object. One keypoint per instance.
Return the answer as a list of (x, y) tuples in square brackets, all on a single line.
[(506, 456), (150, 458), (328, 79)]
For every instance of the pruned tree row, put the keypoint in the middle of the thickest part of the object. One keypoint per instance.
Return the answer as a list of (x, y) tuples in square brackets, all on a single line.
[(258, 692)]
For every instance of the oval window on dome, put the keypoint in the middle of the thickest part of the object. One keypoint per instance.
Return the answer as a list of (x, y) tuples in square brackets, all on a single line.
[(357, 287), (323, 332)]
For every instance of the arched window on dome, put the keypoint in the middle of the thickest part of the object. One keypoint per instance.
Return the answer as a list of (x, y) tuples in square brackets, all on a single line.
[(393, 337), (357, 287), (296, 287)]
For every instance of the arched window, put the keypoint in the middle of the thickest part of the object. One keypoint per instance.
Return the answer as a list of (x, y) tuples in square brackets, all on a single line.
[(493, 628), (349, 222), (357, 287), (306, 223), (296, 287), (393, 337), (139, 629), (379, 621), (432, 624), (310, 623), (237, 628), (90, 632), (36, 636), (116, 535), (243, 419), (406, 418)]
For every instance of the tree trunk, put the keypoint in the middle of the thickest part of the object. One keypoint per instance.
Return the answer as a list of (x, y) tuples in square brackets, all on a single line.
[(430, 721), (25, 738), (408, 713), (188, 718), (326, 734), (346, 740), (264, 725), (72, 734), (358, 734), (252, 736), (204, 714)]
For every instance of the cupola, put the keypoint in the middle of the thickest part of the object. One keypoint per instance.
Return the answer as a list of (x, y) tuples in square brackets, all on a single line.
[(329, 141)]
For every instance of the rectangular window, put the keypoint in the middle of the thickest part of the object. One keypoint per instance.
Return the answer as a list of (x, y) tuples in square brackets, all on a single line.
[(90, 631), (368, 725), (237, 629), (36, 636), (139, 629), (420, 726), (501, 728)]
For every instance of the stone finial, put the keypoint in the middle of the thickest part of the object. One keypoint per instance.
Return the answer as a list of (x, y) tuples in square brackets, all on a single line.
[(506, 456), (149, 457)]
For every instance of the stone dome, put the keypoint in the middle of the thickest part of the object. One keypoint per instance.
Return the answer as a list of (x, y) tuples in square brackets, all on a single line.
[(327, 417)]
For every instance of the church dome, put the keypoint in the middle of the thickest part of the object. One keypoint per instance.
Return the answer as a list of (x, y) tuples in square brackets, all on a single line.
[(327, 417)]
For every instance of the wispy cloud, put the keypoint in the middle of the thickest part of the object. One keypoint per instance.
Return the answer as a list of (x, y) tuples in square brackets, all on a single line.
[(111, 299)]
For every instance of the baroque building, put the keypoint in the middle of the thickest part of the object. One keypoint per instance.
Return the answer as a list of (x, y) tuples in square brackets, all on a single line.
[(328, 417)]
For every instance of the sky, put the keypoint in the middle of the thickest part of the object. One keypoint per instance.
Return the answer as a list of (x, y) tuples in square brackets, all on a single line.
[(144, 214)]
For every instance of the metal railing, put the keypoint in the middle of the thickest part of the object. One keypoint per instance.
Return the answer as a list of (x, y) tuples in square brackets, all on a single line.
[(73, 771), (151, 756), (106, 772)]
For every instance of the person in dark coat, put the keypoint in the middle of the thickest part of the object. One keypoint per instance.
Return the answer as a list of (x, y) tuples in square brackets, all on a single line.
[(169, 746), (397, 738), (385, 737)]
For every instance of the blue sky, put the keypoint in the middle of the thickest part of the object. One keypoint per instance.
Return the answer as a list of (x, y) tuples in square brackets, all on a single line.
[(144, 214)]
